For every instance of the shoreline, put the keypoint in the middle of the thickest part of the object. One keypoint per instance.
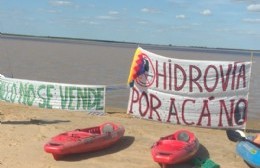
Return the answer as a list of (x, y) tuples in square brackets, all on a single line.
[(252, 125), (120, 43)]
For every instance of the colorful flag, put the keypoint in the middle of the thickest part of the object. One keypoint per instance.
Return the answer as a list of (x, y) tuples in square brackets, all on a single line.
[(137, 67)]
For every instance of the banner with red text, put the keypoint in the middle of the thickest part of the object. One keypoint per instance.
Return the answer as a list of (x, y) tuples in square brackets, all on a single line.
[(191, 92)]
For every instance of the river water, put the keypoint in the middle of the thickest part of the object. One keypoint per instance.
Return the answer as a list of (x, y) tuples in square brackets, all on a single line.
[(103, 63)]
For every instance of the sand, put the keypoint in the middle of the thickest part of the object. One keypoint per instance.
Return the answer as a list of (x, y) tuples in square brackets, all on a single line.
[(24, 131)]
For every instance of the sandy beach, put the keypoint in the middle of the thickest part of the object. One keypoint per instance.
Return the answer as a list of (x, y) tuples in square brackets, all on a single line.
[(24, 131)]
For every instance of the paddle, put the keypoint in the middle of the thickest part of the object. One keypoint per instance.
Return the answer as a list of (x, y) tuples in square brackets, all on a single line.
[(235, 136)]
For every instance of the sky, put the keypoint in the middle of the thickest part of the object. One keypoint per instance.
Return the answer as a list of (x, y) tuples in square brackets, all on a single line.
[(201, 23)]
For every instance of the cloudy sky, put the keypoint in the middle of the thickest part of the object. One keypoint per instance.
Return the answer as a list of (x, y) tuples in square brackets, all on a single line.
[(203, 23)]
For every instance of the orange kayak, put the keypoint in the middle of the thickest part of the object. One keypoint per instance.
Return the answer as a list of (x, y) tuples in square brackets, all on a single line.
[(84, 140)]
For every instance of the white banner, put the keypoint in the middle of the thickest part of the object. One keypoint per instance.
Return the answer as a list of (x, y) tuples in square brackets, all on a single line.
[(191, 92), (53, 95)]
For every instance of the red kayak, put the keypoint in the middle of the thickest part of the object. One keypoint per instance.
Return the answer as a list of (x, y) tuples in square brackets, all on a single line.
[(175, 148), (84, 140)]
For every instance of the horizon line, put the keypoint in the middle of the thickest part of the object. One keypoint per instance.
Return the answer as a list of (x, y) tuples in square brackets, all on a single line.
[(122, 42)]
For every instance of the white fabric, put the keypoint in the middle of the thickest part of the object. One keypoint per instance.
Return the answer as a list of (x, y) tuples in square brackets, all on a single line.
[(191, 92), (53, 95)]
